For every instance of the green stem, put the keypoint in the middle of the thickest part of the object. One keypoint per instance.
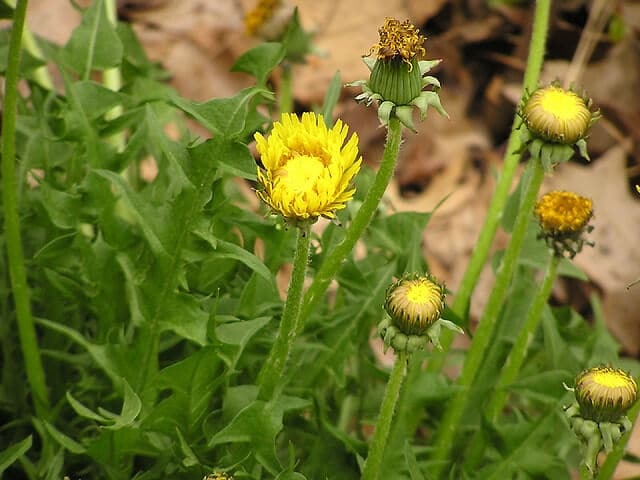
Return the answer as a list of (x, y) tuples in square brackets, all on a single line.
[(512, 156), (488, 321), (585, 473), (519, 350), (515, 359), (333, 262), (271, 373), (40, 74), (610, 464), (383, 426), (112, 79), (286, 89), (15, 254)]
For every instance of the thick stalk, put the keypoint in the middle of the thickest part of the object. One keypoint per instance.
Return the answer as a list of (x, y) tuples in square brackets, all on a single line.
[(512, 156), (585, 473), (29, 43), (488, 321), (518, 352), (515, 359), (286, 89), (383, 426), (112, 79), (333, 262), (271, 373), (15, 254)]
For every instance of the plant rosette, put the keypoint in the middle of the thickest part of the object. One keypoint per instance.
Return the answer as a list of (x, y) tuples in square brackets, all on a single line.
[(555, 122), (414, 304), (398, 78)]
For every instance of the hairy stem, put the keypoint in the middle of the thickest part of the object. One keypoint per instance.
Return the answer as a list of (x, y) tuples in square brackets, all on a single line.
[(515, 359), (112, 79), (333, 261), (15, 254), (455, 408), (383, 426), (271, 373), (286, 89), (512, 155)]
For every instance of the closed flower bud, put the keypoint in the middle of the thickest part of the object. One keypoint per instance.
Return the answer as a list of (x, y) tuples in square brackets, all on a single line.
[(605, 394), (414, 303), (564, 219), (557, 115), (556, 121)]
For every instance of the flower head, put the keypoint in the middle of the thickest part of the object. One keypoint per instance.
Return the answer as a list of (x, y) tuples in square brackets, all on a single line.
[(564, 219), (397, 77), (268, 19), (605, 394), (399, 40), (307, 168), (415, 303), (218, 476), (557, 115), (556, 120)]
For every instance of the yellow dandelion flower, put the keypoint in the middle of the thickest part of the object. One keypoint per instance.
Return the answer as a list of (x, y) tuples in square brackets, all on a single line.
[(307, 168), (563, 212), (557, 115), (564, 219), (268, 19), (414, 303), (604, 394)]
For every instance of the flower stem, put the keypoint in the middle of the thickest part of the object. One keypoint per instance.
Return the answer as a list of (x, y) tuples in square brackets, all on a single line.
[(512, 156), (610, 464), (333, 261), (585, 473), (383, 426), (515, 359), (488, 321), (274, 367), (519, 350), (15, 254), (286, 89), (112, 79)]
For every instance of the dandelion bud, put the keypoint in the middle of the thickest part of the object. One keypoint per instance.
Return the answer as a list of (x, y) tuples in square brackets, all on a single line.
[(605, 394), (557, 115), (415, 303)]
